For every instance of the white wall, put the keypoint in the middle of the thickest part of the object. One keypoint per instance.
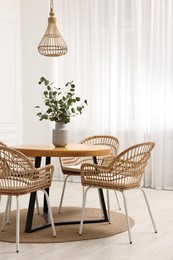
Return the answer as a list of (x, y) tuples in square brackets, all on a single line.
[(34, 18), (10, 64)]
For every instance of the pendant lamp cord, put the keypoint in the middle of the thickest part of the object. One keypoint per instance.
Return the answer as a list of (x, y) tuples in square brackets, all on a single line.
[(51, 5), (51, 8)]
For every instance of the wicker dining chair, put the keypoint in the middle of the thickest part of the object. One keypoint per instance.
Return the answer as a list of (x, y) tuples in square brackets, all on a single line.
[(2, 144), (70, 166), (18, 177), (124, 172), (9, 199)]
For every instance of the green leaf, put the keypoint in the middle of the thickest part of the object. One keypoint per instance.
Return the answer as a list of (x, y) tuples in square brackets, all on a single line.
[(45, 93), (49, 110), (42, 79), (79, 109), (47, 103), (39, 114), (44, 116), (70, 102), (78, 99)]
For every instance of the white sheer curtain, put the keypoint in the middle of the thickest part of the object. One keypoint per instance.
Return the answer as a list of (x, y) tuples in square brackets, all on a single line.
[(121, 59)]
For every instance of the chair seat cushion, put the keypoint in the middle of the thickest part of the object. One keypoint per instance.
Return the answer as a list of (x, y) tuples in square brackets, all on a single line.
[(111, 181), (72, 168), (16, 187)]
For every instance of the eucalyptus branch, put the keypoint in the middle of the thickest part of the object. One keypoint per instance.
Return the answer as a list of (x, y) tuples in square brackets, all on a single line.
[(61, 106)]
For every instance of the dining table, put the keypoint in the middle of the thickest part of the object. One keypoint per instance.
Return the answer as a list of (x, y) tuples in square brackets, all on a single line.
[(38, 151)]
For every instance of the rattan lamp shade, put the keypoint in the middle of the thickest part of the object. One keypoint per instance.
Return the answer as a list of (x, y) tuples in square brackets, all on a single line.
[(52, 43)]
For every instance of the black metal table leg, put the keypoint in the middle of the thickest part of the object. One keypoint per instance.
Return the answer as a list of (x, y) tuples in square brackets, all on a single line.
[(102, 200), (28, 227), (45, 208), (30, 214)]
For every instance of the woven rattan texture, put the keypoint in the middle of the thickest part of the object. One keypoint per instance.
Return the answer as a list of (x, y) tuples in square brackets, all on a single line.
[(122, 172), (106, 140), (18, 175)]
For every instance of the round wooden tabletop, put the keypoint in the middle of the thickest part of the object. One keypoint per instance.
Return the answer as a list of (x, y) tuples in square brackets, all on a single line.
[(36, 150)]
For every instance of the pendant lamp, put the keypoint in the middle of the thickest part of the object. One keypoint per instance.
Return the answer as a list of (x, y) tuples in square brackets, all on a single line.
[(52, 43)]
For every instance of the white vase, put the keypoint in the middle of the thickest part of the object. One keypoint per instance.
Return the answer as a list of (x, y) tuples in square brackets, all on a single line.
[(60, 135)]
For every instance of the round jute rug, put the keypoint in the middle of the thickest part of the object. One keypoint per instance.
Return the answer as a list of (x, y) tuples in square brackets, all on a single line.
[(65, 233)]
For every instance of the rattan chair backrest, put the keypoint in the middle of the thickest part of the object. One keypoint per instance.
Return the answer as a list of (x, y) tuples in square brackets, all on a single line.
[(123, 172), (14, 167), (107, 140), (129, 166), (19, 176), (2, 144)]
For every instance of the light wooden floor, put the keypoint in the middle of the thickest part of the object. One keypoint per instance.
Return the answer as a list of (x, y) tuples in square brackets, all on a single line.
[(146, 244)]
